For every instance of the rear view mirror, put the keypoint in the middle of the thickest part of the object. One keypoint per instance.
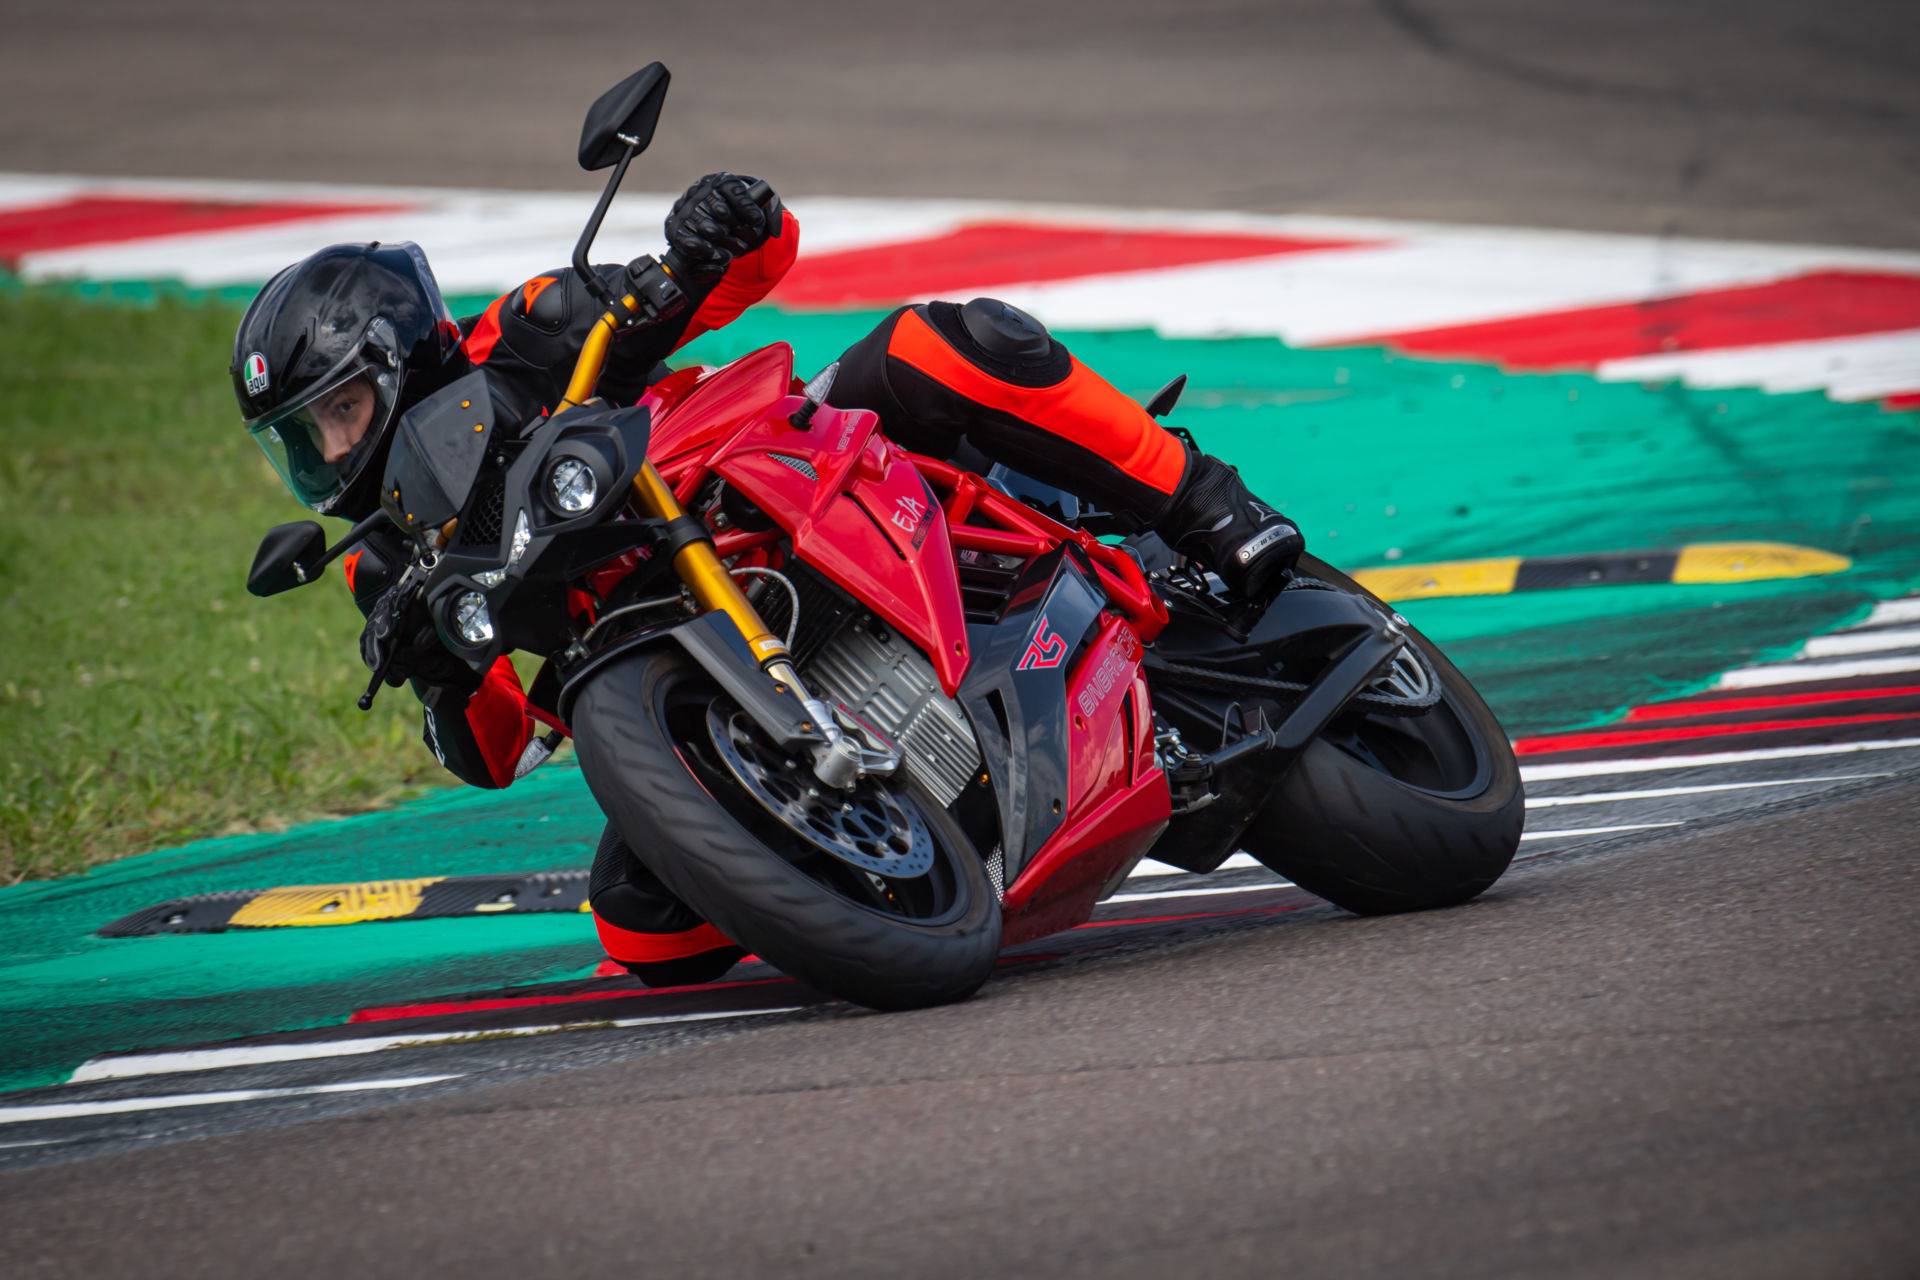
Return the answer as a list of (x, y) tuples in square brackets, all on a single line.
[(631, 108), (291, 555)]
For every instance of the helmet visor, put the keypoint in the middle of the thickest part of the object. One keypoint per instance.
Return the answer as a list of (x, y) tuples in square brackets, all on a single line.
[(320, 444)]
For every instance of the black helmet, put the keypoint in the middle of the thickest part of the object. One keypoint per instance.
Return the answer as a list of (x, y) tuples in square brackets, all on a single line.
[(351, 311)]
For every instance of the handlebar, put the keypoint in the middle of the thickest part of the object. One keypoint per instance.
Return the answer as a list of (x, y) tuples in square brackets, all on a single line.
[(762, 194)]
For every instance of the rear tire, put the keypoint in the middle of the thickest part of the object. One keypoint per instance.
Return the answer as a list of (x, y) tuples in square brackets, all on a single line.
[(707, 838), (1384, 814)]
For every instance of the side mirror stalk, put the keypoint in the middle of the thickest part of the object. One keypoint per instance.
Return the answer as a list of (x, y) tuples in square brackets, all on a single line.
[(581, 267)]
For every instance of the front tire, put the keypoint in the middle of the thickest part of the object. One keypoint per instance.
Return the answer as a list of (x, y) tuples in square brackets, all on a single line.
[(933, 939), (1384, 814)]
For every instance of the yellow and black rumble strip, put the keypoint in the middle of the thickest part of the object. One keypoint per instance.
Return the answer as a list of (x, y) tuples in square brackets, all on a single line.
[(306, 905), (1700, 562)]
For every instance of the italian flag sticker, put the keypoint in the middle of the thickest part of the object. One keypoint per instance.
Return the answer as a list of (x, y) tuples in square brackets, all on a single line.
[(256, 374)]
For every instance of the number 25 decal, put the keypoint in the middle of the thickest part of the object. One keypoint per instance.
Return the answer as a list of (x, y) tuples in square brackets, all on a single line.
[(1045, 650)]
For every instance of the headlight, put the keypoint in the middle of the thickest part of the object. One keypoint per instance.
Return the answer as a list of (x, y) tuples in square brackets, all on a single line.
[(471, 621), (571, 486)]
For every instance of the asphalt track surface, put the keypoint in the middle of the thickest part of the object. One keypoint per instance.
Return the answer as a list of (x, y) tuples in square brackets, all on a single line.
[(1665, 1055), (1669, 1051), (1746, 119)]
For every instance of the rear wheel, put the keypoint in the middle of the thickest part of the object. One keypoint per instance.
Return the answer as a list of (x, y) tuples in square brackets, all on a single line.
[(1385, 813), (874, 895)]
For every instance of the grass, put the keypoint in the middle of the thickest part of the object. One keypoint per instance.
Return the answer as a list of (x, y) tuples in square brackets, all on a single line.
[(147, 699)]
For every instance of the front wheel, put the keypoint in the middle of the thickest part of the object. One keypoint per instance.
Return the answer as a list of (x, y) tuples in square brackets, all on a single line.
[(1387, 813), (873, 895)]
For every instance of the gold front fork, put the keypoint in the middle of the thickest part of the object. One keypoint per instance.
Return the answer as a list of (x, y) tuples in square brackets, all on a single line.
[(699, 567), (697, 563)]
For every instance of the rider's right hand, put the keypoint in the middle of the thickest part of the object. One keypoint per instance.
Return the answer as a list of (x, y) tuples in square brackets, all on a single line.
[(715, 222), (417, 651)]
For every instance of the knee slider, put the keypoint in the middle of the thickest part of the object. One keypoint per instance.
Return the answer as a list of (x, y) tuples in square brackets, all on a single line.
[(1005, 332), (1001, 340)]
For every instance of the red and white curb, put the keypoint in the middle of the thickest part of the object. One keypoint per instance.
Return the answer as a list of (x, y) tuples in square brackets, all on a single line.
[(1639, 308), (1853, 689)]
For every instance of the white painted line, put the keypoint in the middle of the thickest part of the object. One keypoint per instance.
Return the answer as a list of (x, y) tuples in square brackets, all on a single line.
[(31, 1142), (1795, 672), (1596, 831), (1405, 276), (1842, 643), (1601, 768), (1334, 296), (1149, 868), (1906, 609), (115, 1106), (1658, 793), (1851, 368), (154, 1064), (1196, 893)]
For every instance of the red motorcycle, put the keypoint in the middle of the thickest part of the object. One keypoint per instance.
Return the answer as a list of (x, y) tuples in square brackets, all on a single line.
[(876, 715)]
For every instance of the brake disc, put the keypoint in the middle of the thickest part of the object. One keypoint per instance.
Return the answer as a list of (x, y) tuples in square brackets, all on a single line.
[(866, 827)]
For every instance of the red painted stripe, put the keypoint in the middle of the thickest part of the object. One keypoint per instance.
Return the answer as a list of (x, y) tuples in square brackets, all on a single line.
[(1642, 737), (614, 969), (432, 1009), (91, 220), (1197, 915), (609, 968), (1905, 400), (984, 254), (1734, 706), (1820, 304)]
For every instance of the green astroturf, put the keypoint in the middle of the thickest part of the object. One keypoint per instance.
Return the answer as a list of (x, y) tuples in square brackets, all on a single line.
[(118, 735), (146, 698), (66, 995)]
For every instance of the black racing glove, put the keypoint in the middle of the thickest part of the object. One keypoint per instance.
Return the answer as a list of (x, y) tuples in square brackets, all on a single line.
[(415, 646), (714, 223)]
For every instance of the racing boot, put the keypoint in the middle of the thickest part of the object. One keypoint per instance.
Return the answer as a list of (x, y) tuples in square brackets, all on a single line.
[(645, 929), (1212, 518)]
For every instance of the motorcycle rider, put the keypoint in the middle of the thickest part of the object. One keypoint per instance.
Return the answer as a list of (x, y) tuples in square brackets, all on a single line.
[(336, 347)]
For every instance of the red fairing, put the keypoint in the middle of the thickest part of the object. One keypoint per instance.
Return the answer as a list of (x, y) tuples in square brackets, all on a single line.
[(690, 415), (1102, 752), (1117, 800), (865, 519), (1060, 888)]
